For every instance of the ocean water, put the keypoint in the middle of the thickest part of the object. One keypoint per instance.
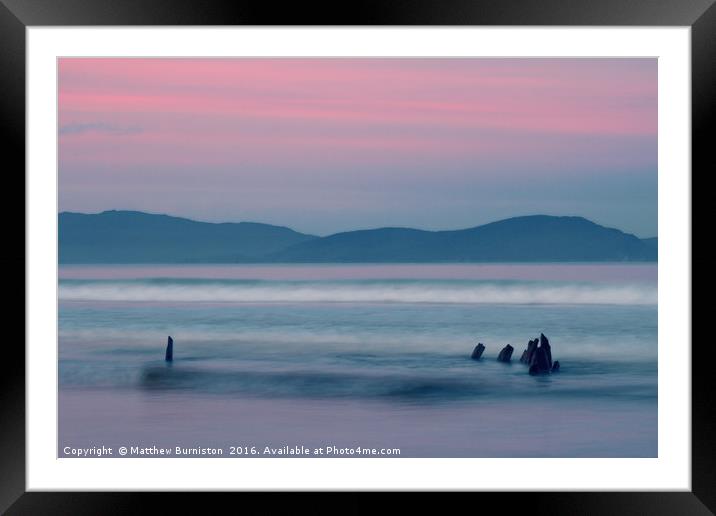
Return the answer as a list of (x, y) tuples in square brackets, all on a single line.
[(359, 357)]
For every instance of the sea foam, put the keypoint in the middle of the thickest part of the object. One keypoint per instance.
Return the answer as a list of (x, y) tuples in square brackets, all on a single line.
[(438, 292)]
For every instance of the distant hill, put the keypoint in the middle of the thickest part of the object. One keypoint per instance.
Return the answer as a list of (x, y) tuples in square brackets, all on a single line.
[(521, 239), (136, 237)]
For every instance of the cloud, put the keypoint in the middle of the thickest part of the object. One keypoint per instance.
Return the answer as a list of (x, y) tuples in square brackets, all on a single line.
[(77, 128)]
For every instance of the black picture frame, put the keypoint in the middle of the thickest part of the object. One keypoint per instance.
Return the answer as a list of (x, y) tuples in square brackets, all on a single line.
[(17, 15)]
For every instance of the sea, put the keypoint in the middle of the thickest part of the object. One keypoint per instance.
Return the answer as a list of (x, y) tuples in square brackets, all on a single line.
[(361, 361)]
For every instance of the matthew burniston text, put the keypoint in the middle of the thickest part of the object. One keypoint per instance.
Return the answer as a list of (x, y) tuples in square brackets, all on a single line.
[(179, 451)]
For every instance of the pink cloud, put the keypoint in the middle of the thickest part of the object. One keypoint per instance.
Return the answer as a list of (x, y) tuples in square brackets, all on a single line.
[(324, 112)]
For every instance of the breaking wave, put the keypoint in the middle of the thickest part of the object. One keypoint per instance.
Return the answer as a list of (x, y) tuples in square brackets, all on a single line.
[(437, 292)]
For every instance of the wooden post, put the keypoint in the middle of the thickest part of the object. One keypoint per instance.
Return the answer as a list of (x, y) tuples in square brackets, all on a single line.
[(506, 354), (170, 350), (477, 352)]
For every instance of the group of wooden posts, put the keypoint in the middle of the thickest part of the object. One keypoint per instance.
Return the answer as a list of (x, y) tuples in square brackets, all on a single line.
[(538, 355)]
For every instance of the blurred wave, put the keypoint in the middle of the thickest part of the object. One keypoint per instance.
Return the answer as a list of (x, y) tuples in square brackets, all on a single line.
[(469, 381), (378, 291)]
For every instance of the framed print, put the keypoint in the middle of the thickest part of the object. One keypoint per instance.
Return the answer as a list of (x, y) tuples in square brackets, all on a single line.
[(437, 250)]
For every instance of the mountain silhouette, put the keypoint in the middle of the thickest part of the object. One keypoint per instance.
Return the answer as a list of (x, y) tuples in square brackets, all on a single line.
[(137, 237)]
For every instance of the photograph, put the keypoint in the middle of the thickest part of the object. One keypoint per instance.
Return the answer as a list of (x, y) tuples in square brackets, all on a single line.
[(357, 257), (445, 246)]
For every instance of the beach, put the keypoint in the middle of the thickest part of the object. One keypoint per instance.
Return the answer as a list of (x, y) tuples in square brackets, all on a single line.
[(359, 356)]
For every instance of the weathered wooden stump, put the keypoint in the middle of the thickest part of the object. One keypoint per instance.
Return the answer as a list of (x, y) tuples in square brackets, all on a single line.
[(544, 344), (529, 352), (506, 354), (541, 360), (169, 356), (540, 364), (477, 352)]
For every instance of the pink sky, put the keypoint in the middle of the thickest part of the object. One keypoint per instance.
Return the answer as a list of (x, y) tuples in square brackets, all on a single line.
[(277, 140)]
